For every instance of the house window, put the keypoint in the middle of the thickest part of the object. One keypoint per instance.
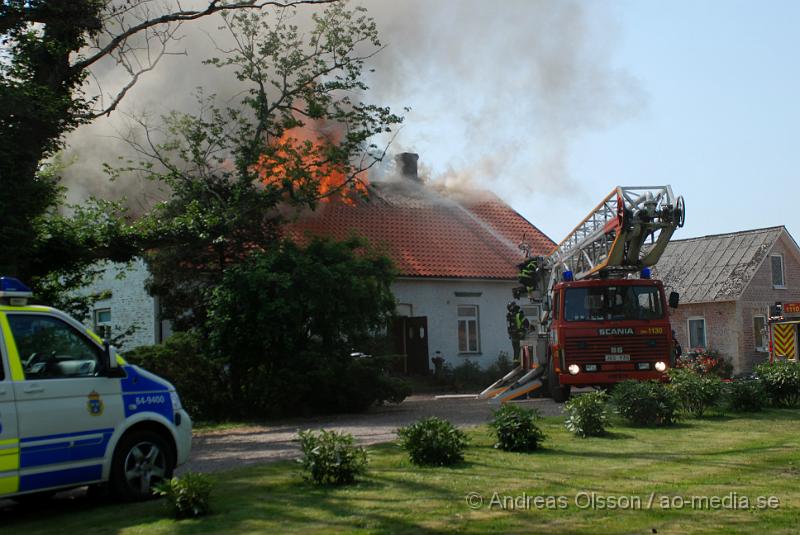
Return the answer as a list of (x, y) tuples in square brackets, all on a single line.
[(102, 322), (697, 332), (468, 341), (760, 332), (777, 271)]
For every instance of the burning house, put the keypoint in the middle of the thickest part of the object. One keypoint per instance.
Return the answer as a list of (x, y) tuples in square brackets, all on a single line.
[(456, 253)]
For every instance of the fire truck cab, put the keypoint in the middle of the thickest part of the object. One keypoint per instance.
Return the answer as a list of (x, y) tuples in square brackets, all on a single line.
[(605, 331), (604, 325)]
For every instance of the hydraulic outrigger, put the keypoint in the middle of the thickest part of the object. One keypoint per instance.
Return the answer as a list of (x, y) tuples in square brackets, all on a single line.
[(598, 325)]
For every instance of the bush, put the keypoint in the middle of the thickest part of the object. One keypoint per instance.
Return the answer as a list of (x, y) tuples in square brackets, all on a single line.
[(746, 395), (696, 393), (284, 339), (516, 428), (645, 403), (499, 368), (469, 374), (706, 362), (187, 496), (587, 414), (331, 458), (781, 381), (198, 378), (433, 442)]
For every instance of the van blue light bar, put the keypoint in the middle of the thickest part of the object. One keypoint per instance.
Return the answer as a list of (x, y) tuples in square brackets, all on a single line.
[(11, 287)]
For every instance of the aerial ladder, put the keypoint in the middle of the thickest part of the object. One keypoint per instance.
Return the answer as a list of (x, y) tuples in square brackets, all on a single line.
[(626, 233)]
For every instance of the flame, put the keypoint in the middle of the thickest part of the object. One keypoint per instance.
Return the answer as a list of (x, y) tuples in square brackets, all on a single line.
[(304, 159)]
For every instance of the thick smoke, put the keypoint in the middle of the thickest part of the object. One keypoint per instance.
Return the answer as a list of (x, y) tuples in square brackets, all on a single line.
[(499, 92)]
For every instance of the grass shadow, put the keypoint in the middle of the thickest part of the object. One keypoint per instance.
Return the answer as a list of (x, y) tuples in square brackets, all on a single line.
[(613, 435)]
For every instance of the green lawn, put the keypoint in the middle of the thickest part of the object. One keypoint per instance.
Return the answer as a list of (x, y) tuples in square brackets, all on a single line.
[(751, 456)]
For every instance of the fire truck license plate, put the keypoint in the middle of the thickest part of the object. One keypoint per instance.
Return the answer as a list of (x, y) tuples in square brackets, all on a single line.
[(618, 357)]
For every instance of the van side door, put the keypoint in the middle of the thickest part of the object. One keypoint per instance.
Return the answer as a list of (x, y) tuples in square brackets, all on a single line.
[(9, 439), (67, 409)]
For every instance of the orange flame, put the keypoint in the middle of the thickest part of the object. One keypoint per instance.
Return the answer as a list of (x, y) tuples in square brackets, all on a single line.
[(301, 160)]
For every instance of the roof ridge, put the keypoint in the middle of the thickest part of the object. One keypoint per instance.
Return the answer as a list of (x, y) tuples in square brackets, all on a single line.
[(735, 233)]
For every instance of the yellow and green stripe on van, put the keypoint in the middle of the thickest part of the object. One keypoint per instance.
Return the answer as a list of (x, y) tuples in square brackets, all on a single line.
[(9, 464)]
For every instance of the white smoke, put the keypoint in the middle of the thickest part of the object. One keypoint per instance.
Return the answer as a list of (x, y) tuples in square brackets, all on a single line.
[(499, 91)]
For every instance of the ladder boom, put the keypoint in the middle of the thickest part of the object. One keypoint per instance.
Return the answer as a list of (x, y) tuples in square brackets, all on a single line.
[(627, 231)]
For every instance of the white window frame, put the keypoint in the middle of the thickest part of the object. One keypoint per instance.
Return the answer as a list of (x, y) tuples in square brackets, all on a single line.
[(781, 286), (467, 320), (689, 321), (764, 347), (102, 329)]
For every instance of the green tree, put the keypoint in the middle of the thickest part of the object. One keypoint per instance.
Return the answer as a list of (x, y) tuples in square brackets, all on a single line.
[(298, 134), (286, 340), (49, 48), (277, 341)]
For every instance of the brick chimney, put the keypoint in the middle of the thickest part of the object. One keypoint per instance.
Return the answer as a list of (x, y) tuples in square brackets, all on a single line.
[(407, 165)]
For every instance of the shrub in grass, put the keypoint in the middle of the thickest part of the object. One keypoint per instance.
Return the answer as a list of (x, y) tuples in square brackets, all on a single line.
[(587, 414), (746, 395), (186, 496), (516, 428), (331, 458), (645, 403), (433, 442), (781, 381), (695, 392)]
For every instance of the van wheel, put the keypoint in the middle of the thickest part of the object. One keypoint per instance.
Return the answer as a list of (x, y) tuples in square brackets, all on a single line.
[(559, 393), (142, 460)]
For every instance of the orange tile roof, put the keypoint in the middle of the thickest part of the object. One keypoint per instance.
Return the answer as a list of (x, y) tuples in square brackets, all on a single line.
[(432, 233)]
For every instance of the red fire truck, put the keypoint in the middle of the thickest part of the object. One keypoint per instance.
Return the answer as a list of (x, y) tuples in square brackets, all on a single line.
[(604, 318)]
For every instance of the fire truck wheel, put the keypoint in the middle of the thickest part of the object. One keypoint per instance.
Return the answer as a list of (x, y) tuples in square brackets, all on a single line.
[(559, 393)]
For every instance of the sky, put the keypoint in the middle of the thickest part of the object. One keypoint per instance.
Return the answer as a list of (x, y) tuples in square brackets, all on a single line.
[(552, 103), (705, 100)]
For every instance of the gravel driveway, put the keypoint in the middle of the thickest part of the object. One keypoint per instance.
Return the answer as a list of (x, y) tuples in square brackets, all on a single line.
[(221, 450), (231, 448)]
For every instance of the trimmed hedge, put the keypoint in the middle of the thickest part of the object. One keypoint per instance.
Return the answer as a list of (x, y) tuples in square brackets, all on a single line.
[(781, 381), (746, 395), (647, 403), (696, 393)]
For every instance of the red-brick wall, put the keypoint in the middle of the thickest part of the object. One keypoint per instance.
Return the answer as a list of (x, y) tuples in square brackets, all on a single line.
[(760, 294), (721, 326), (729, 325)]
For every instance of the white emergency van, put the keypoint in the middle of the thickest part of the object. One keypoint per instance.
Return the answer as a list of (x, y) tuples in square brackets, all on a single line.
[(74, 413)]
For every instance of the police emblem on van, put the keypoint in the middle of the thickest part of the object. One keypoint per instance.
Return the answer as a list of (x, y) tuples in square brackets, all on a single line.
[(95, 404), (615, 332)]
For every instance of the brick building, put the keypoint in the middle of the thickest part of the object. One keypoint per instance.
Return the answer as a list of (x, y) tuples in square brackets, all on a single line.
[(727, 283)]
